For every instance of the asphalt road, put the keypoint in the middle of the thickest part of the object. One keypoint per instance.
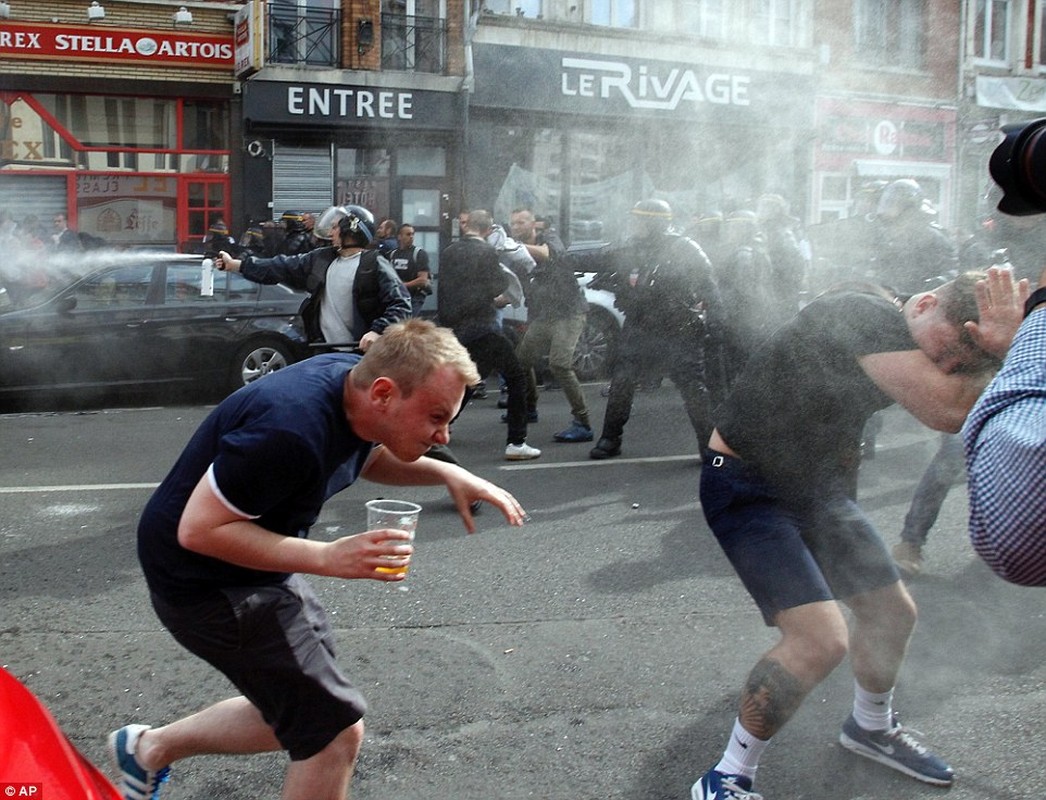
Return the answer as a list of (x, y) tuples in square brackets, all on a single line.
[(595, 653)]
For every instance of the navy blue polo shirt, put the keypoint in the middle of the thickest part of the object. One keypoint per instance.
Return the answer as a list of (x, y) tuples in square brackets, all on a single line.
[(276, 449)]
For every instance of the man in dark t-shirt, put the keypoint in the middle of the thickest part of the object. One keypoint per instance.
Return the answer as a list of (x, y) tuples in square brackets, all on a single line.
[(223, 538), (412, 266), (777, 490)]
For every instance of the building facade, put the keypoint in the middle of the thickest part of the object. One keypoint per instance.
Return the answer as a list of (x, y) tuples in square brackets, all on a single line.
[(886, 103), (580, 110), (118, 116), (143, 120), (355, 103)]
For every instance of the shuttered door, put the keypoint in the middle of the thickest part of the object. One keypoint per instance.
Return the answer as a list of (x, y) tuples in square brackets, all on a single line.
[(302, 179), (43, 196)]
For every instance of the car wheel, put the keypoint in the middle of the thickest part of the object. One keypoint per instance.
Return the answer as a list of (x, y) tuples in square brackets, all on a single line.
[(257, 359), (595, 347)]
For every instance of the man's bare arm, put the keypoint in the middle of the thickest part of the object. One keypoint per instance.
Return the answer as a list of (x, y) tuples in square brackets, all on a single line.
[(938, 400)]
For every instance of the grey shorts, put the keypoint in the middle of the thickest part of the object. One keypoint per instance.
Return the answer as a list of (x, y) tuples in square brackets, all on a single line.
[(275, 644)]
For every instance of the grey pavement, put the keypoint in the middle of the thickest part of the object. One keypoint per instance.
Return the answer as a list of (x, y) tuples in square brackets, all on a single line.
[(595, 653)]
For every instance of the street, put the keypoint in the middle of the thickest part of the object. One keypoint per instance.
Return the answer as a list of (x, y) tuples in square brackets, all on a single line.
[(597, 652)]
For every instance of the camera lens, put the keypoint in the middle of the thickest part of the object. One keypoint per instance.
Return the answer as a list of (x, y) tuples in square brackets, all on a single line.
[(1018, 166)]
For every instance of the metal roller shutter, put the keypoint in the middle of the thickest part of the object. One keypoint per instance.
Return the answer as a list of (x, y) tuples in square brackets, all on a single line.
[(23, 195), (302, 179)]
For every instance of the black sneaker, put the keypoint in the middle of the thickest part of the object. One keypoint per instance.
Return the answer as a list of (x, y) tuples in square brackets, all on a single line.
[(606, 447), (897, 748)]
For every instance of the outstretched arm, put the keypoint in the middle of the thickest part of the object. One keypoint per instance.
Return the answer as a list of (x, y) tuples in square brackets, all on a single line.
[(463, 486)]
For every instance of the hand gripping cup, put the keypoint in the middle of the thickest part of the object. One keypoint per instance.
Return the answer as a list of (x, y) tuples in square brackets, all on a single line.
[(398, 515)]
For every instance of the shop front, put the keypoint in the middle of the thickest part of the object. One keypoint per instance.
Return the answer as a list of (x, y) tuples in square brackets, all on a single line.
[(864, 142), (580, 137), (394, 151), (131, 163)]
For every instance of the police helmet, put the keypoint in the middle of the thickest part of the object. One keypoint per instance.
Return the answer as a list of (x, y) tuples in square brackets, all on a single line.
[(900, 197), (294, 221), (357, 225), (328, 219), (652, 216), (218, 228)]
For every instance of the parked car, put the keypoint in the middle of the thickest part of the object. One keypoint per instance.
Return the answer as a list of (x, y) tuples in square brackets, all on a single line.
[(138, 320)]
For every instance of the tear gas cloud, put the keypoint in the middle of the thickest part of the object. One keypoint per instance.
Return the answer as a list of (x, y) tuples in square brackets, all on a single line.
[(39, 269)]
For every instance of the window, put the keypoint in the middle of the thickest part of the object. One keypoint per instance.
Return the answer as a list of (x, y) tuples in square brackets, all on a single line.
[(362, 178), (421, 207), (890, 32), (414, 35), (991, 30), (304, 32), (205, 125), (126, 286), (183, 284), (705, 18), (613, 13), (111, 121), (775, 22), (431, 161)]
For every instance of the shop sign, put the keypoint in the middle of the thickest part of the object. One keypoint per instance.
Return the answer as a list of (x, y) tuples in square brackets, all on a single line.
[(558, 81), (900, 138), (645, 87), (66, 42), (1017, 94), (249, 36), (328, 105)]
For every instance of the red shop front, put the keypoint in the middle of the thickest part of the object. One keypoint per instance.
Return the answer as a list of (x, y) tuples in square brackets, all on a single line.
[(141, 162)]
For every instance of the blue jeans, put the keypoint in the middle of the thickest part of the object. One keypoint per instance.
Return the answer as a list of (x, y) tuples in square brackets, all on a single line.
[(947, 465)]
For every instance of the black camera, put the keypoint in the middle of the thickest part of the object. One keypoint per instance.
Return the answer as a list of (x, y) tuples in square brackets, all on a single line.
[(1018, 166)]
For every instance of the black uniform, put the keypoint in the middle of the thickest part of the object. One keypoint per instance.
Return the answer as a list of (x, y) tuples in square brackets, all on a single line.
[(664, 286)]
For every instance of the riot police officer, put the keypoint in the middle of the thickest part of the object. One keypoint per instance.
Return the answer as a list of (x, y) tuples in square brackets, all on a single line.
[(663, 283), (296, 238), (911, 253)]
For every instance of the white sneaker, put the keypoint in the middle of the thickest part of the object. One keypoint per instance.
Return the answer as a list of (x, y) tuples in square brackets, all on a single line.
[(521, 452)]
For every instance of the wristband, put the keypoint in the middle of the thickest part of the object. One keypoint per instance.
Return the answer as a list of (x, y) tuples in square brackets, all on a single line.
[(1037, 297)]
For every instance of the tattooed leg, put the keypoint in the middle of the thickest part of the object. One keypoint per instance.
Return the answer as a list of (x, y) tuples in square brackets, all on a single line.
[(770, 698)]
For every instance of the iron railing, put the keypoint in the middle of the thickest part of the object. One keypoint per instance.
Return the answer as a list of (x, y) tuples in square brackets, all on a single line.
[(304, 35), (413, 44)]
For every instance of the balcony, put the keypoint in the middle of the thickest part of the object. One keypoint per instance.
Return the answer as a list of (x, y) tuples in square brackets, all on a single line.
[(304, 35), (413, 44)]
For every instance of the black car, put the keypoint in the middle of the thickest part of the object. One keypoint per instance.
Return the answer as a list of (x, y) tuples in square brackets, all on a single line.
[(106, 324)]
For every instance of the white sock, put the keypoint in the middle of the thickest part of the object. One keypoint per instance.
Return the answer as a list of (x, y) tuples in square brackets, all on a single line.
[(742, 755), (873, 711)]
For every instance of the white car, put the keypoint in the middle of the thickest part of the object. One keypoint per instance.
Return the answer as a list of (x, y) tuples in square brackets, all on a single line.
[(595, 348)]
